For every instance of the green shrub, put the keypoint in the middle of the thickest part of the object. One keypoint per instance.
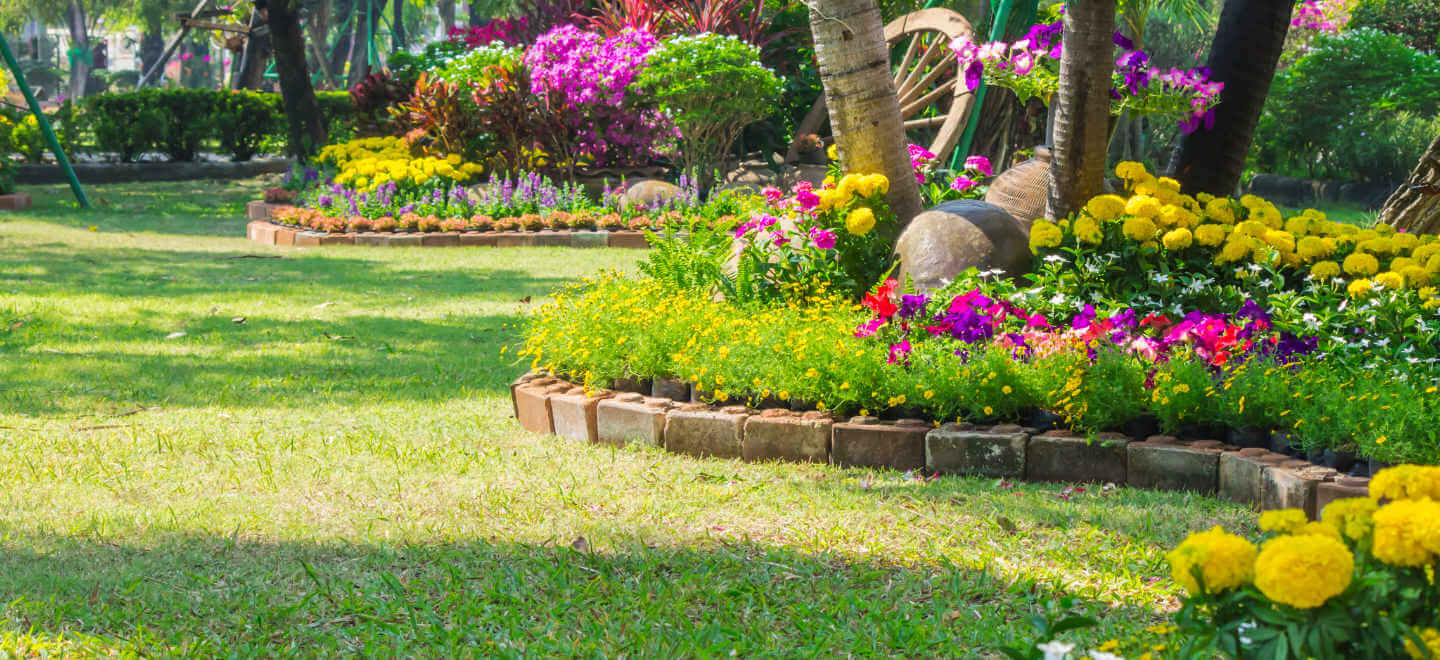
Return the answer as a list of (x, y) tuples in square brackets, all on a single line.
[(471, 67), (188, 119), (242, 120), (711, 86), (1326, 103), (1416, 21), (125, 124)]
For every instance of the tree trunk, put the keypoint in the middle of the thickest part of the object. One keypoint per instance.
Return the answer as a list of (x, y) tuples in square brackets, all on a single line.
[(1415, 205), (360, 40), (1082, 107), (397, 25), (447, 16), (79, 49), (1246, 49), (860, 95), (344, 42), (302, 110), (253, 57)]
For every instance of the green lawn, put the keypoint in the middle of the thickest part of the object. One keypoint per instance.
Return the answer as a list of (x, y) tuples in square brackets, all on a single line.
[(212, 447)]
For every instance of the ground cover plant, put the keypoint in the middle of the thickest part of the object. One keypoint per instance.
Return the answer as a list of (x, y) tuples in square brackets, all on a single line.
[(202, 438)]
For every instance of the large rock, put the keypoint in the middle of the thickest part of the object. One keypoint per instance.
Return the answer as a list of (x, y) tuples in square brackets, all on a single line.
[(652, 192), (943, 242)]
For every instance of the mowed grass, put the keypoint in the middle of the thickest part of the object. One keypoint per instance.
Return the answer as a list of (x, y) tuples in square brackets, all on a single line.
[(212, 447)]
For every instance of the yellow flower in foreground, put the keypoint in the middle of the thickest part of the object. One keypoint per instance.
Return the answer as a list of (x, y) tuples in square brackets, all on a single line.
[(1044, 234), (1431, 638), (1303, 571), (1351, 515), (1144, 206), (1407, 532), (1223, 561), (1105, 207), (1360, 288), (1361, 264), (1325, 270), (1130, 170), (1282, 520), (1087, 229), (860, 221), (1406, 482), (1210, 235), (1177, 239), (1139, 229), (1390, 280)]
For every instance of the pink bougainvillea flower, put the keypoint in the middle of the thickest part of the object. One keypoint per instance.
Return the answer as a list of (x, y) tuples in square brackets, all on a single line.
[(980, 164), (772, 194), (868, 328)]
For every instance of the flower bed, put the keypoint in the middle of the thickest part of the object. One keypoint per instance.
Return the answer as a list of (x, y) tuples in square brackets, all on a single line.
[(1197, 316)]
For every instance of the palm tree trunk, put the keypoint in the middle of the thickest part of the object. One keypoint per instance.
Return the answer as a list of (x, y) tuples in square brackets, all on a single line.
[(307, 127), (860, 95), (79, 49), (1082, 108), (1415, 205), (1246, 49)]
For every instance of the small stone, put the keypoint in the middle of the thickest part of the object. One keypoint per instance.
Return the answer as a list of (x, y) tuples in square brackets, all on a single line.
[(940, 244)]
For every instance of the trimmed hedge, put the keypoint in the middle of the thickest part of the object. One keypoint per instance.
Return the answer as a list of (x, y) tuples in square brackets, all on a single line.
[(177, 122)]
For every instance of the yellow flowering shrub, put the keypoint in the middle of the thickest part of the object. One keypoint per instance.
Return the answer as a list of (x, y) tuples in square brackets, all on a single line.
[(1303, 570), (1352, 516), (367, 163), (1283, 521), (1223, 561)]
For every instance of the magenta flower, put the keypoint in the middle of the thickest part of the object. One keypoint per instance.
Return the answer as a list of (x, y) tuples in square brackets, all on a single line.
[(823, 239), (963, 183), (980, 164), (772, 194), (868, 328)]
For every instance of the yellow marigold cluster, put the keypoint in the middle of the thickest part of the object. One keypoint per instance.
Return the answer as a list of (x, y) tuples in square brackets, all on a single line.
[(1223, 561), (1282, 521), (1351, 515), (837, 195), (368, 163), (1407, 532), (1303, 570), (860, 221), (1406, 482), (1044, 234), (1431, 638)]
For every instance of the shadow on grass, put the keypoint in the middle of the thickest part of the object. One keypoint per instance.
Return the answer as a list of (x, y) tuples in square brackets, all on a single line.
[(195, 208), (212, 595)]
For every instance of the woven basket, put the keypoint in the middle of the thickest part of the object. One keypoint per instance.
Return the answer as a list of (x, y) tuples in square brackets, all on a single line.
[(1022, 189)]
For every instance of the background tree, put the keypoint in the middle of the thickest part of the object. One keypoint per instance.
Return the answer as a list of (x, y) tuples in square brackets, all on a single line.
[(854, 67), (302, 110), (1415, 205), (1247, 47), (1082, 106)]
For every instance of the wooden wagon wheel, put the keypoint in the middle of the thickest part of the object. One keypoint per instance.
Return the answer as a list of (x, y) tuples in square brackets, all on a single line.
[(933, 105)]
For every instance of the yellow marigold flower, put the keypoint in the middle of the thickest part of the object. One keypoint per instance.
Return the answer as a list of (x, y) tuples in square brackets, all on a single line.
[(1390, 280), (1252, 228), (1312, 247), (1234, 250), (1325, 270), (877, 183), (1139, 229), (1220, 210), (1267, 215), (1283, 241), (1403, 242), (1431, 638), (1416, 276), (1433, 264), (833, 152), (1087, 229), (1250, 201), (860, 221), (1204, 197), (1318, 528), (1130, 170), (1350, 515), (1210, 235), (1361, 264), (1044, 234), (1167, 183), (1283, 521), (1143, 206), (1407, 532), (1303, 571), (1177, 239), (848, 184), (1360, 288), (1222, 560), (1422, 254), (1105, 207), (1406, 482)]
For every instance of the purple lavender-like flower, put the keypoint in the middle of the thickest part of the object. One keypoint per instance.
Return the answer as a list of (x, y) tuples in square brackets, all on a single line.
[(408, 208), (325, 200)]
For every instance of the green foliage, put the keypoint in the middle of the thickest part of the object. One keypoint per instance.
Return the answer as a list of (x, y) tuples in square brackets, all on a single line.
[(125, 124), (242, 120), (473, 67), (711, 86), (1321, 108), (1416, 21)]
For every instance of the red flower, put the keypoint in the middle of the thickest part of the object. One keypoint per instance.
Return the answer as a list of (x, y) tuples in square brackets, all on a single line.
[(880, 303)]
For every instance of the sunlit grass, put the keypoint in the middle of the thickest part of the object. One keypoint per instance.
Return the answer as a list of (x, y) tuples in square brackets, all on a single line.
[(204, 451)]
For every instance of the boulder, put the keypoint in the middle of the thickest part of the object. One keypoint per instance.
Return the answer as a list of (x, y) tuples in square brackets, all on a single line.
[(751, 175), (943, 242), (813, 173), (652, 192)]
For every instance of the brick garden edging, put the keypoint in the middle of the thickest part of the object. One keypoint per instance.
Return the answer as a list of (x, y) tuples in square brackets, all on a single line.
[(262, 230), (15, 202), (1257, 477)]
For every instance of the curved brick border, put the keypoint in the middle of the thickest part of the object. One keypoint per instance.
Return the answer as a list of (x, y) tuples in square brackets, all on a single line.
[(262, 230), (1257, 477)]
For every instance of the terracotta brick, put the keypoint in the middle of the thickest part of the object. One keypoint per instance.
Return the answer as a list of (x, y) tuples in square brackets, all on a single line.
[(868, 442), (1342, 487), (626, 238), (573, 414), (1161, 463), (590, 239), (670, 388), (262, 231), (1292, 484), (338, 239), (553, 239), (526, 378), (477, 239), (404, 240), (636, 385), (16, 202), (284, 237), (699, 430), (632, 418), (514, 239), (440, 239), (1064, 456), (951, 449), (779, 434), (373, 239), (257, 210), (532, 405), (1242, 474), (309, 238)]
